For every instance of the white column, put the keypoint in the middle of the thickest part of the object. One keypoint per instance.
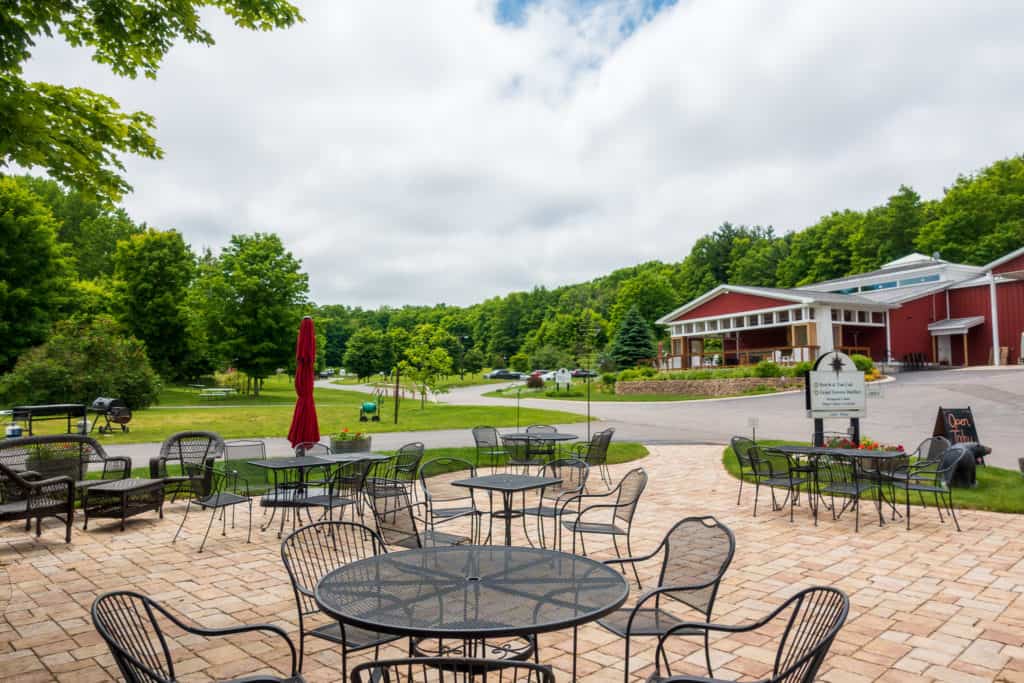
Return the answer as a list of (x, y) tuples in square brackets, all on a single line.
[(888, 340), (823, 323), (993, 298)]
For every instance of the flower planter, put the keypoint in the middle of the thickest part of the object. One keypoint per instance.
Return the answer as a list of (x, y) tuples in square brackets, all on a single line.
[(350, 445)]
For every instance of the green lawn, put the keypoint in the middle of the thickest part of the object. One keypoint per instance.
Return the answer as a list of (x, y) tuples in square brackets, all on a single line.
[(260, 480), (447, 382), (580, 394), (270, 415), (998, 490)]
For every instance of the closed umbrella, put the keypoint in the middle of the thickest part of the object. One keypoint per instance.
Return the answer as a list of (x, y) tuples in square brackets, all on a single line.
[(304, 427)]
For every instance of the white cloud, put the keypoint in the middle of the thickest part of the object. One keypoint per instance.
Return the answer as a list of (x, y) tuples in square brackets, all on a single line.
[(421, 152)]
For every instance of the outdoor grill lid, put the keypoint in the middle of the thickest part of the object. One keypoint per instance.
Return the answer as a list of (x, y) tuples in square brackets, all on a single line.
[(103, 404)]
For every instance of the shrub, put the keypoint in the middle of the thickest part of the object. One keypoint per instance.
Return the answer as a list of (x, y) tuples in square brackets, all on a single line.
[(800, 368), (519, 362), (766, 368), (83, 360), (236, 379), (629, 375), (647, 371), (863, 363), (534, 382), (608, 379)]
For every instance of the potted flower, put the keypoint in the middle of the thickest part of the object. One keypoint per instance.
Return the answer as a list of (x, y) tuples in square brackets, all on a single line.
[(350, 442)]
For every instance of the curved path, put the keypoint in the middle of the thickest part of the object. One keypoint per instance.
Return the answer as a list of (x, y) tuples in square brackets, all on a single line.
[(905, 413)]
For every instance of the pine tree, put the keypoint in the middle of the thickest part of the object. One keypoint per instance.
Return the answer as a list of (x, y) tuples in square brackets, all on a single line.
[(633, 341)]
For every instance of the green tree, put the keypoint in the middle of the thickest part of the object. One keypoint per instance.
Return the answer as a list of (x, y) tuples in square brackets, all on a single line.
[(154, 270), (651, 293), (363, 352), (980, 218), (77, 135), (250, 300), (550, 358), (519, 362), (887, 232), (633, 341), (427, 359), (755, 259), (473, 361), (84, 359), (33, 270)]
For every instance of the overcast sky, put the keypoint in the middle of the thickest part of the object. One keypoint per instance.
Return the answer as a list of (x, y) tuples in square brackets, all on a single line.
[(449, 151)]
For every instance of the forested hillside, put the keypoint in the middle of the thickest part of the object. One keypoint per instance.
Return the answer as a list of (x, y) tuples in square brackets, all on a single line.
[(70, 258)]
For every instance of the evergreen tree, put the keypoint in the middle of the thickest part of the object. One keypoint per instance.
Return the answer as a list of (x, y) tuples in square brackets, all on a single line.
[(633, 341)]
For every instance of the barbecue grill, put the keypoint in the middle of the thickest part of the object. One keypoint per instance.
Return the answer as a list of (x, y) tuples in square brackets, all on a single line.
[(114, 412)]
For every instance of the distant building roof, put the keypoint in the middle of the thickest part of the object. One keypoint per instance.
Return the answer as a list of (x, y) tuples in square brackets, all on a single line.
[(955, 325)]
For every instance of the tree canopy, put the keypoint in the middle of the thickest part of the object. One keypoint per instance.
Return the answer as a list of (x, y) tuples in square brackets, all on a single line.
[(78, 135)]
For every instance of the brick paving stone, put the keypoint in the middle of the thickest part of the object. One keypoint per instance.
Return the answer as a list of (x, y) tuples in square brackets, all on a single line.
[(928, 604)]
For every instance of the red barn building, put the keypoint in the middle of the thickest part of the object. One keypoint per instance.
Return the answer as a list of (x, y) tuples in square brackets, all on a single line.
[(915, 309)]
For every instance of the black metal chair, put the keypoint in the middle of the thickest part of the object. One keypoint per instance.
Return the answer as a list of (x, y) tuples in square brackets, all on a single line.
[(808, 622), (539, 451), (931, 475), (595, 453), (127, 622), (488, 443), (451, 670), (553, 499), (309, 554), (192, 448), (850, 480), (695, 554), (445, 502), (344, 488), (772, 469), (215, 490), (399, 524), (627, 496), (26, 495), (400, 476)]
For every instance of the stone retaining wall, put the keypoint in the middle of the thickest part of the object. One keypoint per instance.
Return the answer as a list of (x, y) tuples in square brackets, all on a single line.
[(708, 387)]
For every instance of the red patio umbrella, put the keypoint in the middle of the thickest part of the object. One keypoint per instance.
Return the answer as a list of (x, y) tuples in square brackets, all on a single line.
[(304, 427)]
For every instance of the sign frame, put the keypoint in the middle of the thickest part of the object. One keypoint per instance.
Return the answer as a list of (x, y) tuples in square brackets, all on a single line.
[(835, 388)]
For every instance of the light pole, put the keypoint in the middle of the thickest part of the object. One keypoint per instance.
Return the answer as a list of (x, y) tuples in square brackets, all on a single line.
[(519, 390)]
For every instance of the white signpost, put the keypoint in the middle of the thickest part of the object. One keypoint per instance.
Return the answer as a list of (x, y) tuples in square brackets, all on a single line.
[(836, 389), (563, 378)]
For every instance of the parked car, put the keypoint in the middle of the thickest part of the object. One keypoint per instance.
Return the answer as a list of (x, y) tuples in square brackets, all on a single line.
[(539, 373), (580, 372), (503, 373), (549, 376)]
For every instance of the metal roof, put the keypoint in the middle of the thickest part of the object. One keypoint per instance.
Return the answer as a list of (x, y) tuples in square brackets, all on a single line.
[(955, 325)]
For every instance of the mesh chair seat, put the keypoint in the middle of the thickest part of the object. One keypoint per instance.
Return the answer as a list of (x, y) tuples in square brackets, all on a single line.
[(652, 621), (545, 511), (327, 501), (264, 678), (849, 488), (924, 488), (595, 528), (283, 497), (429, 539), (222, 499), (784, 482), (356, 638), (452, 513)]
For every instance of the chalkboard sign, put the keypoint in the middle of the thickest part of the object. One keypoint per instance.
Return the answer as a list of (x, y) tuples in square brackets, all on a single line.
[(956, 424)]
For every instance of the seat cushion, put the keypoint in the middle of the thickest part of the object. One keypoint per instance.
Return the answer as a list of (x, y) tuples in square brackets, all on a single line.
[(14, 510)]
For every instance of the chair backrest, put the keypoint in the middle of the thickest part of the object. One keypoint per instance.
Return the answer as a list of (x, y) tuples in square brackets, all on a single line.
[(743, 448), (127, 622), (436, 478), (486, 437), (697, 550), (597, 449), (630, 488), (194, 447), (313, 551), (394, 514), (815, 617), (349, 478), (541, 429), (407, 460), (932, 448), (245, 449), (56, 455), (571, 471), (312, 448), (205, 480), (452, 670)]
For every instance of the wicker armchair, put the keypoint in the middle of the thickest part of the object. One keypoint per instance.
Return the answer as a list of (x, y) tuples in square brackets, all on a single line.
[(127, 621), (27, 495), (189, 450), (808, 622)]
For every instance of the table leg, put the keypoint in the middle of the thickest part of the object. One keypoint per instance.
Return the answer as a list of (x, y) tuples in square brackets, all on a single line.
[(507, 496), (124, 506), (575, 649)]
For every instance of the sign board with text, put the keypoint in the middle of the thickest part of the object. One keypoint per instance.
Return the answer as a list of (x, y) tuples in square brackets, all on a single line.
[(835, 388), (956, 424), (563, 378)]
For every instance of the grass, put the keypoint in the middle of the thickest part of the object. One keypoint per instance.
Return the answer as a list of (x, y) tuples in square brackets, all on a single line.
[(998, 490), (447, 382), (260, 480), (578, 394), (270, 415)]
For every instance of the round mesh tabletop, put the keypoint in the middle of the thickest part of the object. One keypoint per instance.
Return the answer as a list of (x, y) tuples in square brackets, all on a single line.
[(471, 591)]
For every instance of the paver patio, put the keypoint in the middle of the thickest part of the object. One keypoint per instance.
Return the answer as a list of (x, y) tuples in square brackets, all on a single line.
[(928, 604)]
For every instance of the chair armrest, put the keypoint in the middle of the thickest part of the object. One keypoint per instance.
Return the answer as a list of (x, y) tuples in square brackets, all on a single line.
[(29, 475), (63, 479), (605, 506), (124, 461), (639, 558)]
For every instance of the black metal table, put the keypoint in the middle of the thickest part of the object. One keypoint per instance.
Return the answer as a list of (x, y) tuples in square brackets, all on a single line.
[(122, 498), (852, 453), (472, 592), (53, 411), (284, 496), (507, 485)]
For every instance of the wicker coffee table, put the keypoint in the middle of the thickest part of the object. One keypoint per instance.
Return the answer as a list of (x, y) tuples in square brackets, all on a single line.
[(123, 498)]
